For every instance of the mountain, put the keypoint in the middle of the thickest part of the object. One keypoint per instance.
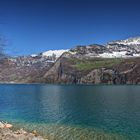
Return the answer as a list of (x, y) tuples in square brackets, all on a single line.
[(27, 69), (114, 49), (116, 62), (125, 48), (130, 41), (56, 53), (71, 70)]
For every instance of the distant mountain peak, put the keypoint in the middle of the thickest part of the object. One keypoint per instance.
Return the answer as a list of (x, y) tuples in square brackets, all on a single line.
[(58, 53), (129, 41), (115, 49)]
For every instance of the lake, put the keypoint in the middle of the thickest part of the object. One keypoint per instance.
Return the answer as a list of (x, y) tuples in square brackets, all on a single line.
[(73, 112)]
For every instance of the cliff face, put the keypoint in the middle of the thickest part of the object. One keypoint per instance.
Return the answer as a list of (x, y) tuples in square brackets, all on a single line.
[(62, 71), (94, 71)]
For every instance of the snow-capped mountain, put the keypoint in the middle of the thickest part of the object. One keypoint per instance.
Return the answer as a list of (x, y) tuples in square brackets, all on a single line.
[(32, 68), (129, 41), (42, 59), (57, 53), (114, 49), (124, 48), (27, 68), (49, 56)]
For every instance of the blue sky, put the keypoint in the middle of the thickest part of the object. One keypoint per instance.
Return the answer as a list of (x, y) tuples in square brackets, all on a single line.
[(33, 26)]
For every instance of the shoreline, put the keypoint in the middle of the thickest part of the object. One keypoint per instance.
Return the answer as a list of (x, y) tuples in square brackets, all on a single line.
[(75, 133), (7, 133), (69, 84)]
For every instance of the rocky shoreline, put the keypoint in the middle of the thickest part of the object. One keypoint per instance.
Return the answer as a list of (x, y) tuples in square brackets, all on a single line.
[(7, 133)]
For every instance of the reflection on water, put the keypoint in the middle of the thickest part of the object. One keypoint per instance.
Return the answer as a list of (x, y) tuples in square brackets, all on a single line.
[(113, 109)]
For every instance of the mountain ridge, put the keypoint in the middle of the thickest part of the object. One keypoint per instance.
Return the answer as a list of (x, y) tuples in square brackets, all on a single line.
[(89, 64)]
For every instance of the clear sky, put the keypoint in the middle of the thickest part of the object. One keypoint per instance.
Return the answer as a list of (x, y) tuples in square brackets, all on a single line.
[(33, 26)]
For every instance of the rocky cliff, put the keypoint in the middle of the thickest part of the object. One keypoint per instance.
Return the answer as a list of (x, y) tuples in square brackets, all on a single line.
[(94, 71)]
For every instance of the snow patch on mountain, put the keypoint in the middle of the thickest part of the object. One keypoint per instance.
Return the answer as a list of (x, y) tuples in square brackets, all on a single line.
[(115, 49), (57, 53), (122, 54), (113, 54), (129, 41), (33, 55)]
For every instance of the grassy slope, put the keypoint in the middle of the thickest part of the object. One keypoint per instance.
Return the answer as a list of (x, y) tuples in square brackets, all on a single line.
[(88, 64)]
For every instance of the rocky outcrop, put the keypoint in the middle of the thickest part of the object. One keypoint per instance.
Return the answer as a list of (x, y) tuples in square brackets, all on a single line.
[(9, 134), (104, 76), (97, 76), (62, 72)]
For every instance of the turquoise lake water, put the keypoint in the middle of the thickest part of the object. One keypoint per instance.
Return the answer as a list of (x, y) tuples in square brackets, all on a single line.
[(73, 112)]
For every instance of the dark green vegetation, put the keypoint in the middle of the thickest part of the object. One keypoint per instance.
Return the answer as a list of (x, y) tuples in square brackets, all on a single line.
[(96, 63)]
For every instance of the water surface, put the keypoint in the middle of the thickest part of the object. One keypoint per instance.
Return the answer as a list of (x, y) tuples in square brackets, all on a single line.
[(73, 112)]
